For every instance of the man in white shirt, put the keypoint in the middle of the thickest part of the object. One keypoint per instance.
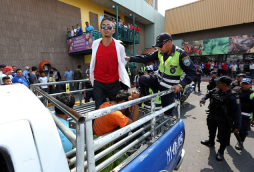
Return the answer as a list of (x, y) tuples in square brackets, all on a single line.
[(150, 68), (73, 31), (233, 70), (2, 68), (26, 72), (43, 79), (251, 69), (107, 65), (6, 72)]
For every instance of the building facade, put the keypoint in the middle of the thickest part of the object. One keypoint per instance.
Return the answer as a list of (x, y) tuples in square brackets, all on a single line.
[(35, 30), (214, 29)]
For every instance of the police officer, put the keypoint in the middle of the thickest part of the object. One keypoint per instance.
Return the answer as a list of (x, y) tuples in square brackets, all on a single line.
[(147, 104), (235, 85), (247, 108), (224, 107), (173, 61), (213, 82), (143, 68)]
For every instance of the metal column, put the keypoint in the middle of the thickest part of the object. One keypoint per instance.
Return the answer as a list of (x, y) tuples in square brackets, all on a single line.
[(90, 146), (133, 17), (80, 94), (117, 23)]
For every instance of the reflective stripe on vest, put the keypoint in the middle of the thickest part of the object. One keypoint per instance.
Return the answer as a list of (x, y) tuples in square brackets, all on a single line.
[(170, 71), (129, 71), (247, 114)]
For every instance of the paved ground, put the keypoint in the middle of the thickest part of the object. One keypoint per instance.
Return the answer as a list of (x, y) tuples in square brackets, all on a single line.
[(202, 158)]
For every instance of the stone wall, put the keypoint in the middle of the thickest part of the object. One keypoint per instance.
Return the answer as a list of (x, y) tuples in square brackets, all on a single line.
[(34, 31)]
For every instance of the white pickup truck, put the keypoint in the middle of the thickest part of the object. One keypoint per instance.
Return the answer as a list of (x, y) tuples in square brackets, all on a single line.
[(29, 139)]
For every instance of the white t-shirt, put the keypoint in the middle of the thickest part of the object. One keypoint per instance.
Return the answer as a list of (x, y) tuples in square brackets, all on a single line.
[(73, 31), (241, 66), (136, 78), (212, 66), (252, 66), (233, 67), (43, 80), (150, 67), (1, 78)]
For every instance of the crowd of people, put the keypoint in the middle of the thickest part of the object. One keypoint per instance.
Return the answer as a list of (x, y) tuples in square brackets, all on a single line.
[(126, 25), (78, 30), (225, 68)]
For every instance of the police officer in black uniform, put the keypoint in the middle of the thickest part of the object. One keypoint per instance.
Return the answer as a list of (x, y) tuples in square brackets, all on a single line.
[(173, 62), (224, 107), (247, 108), (235, 85), (213, 82)]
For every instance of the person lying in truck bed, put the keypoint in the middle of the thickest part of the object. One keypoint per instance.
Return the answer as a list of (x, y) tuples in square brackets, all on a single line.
[(110, 122)]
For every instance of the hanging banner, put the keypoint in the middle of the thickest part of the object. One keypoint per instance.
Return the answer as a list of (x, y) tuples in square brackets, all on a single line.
[(193, 48), (80, 43), (241, 44), (215, 46)]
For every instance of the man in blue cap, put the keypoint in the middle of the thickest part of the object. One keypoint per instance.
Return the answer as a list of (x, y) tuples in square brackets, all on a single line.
[(235, 85), (173, 62), (247, 108)]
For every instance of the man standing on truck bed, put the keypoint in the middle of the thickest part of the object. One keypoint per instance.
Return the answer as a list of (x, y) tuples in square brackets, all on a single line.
[(225, 109), (173, 62), (107, 64)]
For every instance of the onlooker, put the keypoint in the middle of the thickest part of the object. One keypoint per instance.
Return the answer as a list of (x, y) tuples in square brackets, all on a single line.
[(123, 25), (131, 27), (33, 78), (43, 79), (251, 69), (14, 71), (69, 101), (207, 68), (88, 72), (212, 66), (110, 122), (6, 80), (6, 72), (241, 67), (68, 33), (19, 78), (150, 68), (73, 31), (114, 21), (68, 76), (119, 22), (78, 75), (89, 28), (79, 30), (135, 71), (216, 67), (38, 75), (233, 70), (88, 94), (52, 88), (107, 65), (2, 68), (219, 69), (229, 68), (224, 68), (26, 72), (57, 77), (128, 25), (198, 79)]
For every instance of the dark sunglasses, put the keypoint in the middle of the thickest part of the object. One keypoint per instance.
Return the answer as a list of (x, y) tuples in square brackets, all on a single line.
[(108, 26), (162, 44)]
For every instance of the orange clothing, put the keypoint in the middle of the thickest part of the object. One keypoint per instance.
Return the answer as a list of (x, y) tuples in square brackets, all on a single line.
[(109, 122)]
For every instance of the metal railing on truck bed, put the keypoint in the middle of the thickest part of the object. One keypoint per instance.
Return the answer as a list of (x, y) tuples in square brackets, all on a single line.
[(147, 129)]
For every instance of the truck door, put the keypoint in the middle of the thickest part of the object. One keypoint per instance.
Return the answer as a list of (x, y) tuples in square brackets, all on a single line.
[(17, 147)]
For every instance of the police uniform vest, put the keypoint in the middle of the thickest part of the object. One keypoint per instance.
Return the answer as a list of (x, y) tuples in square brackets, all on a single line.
[(212, 84), (129, 71), (246, 103), (220, 104), (157, 102), (143, 69), (170, 71)]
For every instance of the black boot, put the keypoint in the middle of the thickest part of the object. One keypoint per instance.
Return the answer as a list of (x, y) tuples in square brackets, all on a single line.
[(220, 155), (207, 142), (239, 146)]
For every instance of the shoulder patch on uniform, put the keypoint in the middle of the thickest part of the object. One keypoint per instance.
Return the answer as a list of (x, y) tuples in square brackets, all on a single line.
[(186, 61), (251, 96), (238, 101)]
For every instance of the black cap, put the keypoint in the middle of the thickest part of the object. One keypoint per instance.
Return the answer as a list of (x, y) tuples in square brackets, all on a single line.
[(225, 80), (213, 72), (2, 65), (163, 37)]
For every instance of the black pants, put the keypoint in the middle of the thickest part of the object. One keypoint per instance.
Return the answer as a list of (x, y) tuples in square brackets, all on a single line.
[(101, 91), (147, 81), (224, 130), (245, 127), (89, 95)]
